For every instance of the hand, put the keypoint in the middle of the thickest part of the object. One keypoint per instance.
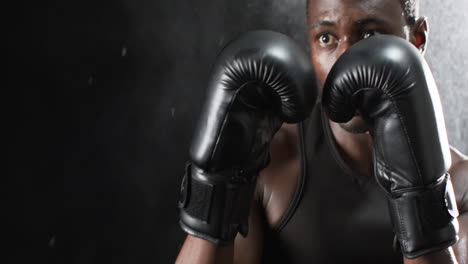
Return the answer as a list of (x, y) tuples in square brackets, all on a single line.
[(260, 80), (388, 81)]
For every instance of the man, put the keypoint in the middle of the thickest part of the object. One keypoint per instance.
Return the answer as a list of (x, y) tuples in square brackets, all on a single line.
[(318, 200)]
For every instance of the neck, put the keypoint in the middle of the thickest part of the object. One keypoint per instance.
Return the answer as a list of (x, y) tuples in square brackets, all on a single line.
[(355, 149)]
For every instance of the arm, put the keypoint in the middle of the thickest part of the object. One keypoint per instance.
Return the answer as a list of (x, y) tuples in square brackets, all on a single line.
[(260, 80), (389, 82), (244, 250), (197, 250), (461, 247), (459, 170)]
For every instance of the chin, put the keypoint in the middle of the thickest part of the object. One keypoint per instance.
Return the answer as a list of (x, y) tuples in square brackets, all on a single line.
[(356, 125)]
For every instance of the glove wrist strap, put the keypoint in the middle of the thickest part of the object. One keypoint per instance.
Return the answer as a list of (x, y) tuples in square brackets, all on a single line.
[(215, 207), (425, 220)]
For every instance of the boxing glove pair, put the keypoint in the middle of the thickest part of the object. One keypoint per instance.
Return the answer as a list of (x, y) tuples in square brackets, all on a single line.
[(263, 79)]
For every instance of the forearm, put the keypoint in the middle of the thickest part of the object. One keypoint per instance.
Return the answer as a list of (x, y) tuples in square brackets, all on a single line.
[(196, 250), (446, 256), (461, 247)]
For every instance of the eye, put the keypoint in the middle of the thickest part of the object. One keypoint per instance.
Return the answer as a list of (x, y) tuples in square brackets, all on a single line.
[(369, 33), (327, 39)]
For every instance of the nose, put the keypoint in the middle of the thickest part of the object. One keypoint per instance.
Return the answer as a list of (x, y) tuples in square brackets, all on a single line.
[(344, 45)]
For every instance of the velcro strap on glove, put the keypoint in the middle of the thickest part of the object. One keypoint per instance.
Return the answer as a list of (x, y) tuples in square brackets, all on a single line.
[(215, 207), (425, 220)]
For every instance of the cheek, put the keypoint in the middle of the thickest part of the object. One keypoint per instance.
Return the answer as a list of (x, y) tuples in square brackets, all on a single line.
[(323, 62)]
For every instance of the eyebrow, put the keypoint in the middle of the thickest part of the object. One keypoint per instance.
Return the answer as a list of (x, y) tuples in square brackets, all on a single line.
[(322, 23), (364, 21), (371, 20)]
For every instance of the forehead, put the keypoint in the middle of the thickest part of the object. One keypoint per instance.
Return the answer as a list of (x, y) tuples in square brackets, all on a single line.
[(389, 9)]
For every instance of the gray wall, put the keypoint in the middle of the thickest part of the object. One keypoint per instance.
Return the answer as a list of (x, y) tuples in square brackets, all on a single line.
[(447, 56), (102, 98)]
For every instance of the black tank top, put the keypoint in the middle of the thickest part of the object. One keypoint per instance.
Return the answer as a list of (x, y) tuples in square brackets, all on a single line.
[(336, 215)]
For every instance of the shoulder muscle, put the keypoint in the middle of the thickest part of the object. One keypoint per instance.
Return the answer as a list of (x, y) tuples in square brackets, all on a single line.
[(459, 174)]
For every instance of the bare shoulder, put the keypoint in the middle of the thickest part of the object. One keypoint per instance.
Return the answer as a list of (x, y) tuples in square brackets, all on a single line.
[(277, 182), (459, 174)]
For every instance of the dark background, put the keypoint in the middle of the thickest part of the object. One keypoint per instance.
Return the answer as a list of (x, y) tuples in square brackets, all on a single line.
[(100, 103)]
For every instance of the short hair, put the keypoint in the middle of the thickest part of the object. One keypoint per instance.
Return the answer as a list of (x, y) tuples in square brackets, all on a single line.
[(410, 9)]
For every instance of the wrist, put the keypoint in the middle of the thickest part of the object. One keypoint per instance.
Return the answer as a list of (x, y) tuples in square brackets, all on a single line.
[(215, 206), (425, 219)]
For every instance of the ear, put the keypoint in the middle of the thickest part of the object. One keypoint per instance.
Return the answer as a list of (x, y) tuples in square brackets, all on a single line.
[(420, 33)]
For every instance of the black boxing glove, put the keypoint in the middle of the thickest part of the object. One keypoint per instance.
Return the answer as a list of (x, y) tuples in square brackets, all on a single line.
[(389, 82), (259, 81)]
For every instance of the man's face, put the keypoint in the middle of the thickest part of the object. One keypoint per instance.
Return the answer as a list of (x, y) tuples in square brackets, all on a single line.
[(335, 25)]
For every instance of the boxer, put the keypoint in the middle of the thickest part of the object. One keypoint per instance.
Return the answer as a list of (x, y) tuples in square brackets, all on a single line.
[(366, 177)]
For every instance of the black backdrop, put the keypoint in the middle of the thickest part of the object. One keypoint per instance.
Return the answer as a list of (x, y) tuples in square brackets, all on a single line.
[(102, 97), (100, 103)]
